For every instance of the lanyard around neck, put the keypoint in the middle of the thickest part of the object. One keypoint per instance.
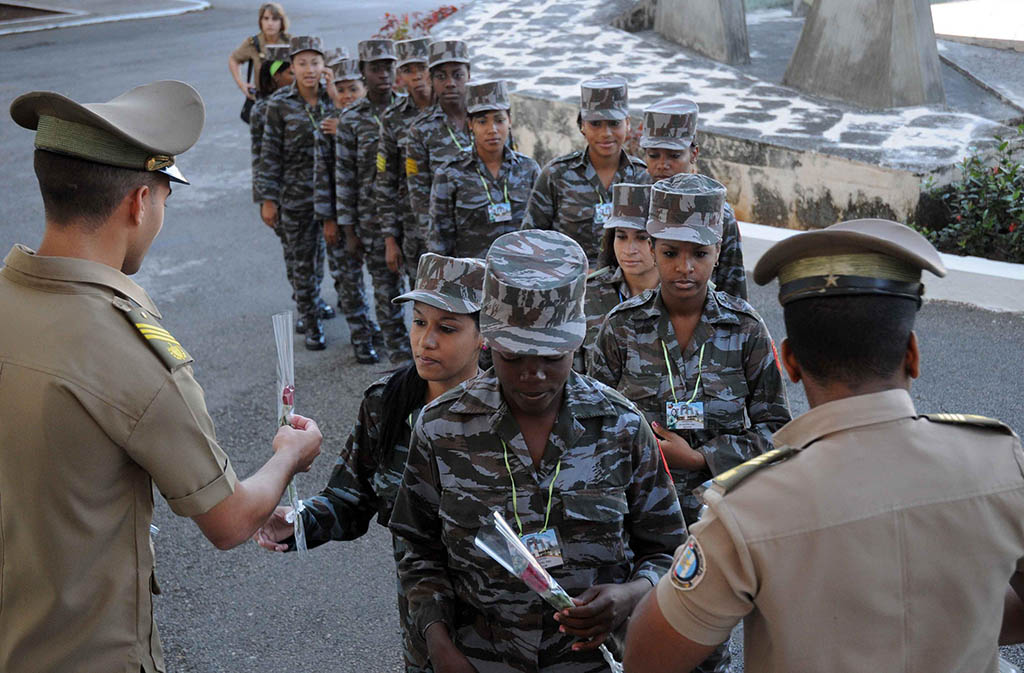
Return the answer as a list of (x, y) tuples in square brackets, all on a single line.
[(515, 503), (700, 367), (454, 139), (487, 189)]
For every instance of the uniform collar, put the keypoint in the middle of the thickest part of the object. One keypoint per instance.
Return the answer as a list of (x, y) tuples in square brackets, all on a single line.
[(845, 414), (583, 397), (714, 312), (582, 160), (321, 94), (24, 260), (508, 158)]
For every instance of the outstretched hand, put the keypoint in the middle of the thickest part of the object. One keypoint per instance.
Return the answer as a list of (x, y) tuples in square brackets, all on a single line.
[(276, 529), (599, 611)]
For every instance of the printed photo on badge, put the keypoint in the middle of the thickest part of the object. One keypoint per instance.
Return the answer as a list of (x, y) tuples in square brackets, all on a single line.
[(499, 212), (684, 415), (602, 212), (546, 547)]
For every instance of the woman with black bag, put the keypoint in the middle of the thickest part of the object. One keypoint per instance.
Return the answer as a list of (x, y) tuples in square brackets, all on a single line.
[(273, 24)]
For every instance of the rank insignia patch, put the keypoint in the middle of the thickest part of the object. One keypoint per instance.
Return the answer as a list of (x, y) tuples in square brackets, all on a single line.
[(688, 569), (382, 162), (411, 167), (171, 353)]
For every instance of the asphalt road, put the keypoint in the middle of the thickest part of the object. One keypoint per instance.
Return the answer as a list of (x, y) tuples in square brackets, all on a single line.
[(217, 274)]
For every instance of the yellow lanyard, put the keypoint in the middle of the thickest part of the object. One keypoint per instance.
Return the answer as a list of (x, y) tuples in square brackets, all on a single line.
[(515, 504), (668, 365), (487, 189), (454, 139)]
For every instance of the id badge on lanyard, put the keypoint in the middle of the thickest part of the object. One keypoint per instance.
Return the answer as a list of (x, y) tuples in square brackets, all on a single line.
[(688, 415), (546, 546), (499, 212), (602, 213)]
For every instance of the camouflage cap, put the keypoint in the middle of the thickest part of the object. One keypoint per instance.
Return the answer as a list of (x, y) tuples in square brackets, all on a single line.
[(413, 51), (859, 257), (484, 96), (687, 207), (533, 293), (277, 52), (301, 43), (604, 98), (671, 124), (630, 204), (448, 51), (346, 69), (377, 50), (338, 54), (452, 284)]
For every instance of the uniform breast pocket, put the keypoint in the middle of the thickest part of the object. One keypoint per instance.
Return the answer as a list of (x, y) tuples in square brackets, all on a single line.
[(592, 526), (576, 220), (462, 515), (725, 403), (643, 390)]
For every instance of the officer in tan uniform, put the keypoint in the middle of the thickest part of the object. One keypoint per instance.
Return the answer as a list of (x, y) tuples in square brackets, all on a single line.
[(97, 399), (873, 538)]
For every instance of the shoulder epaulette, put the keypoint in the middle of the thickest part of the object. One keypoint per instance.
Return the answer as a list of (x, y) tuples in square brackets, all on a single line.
[(597, 272), (637, 161), (737, 304), (166, 347), (567, 157), (730, 479), (970, 419)]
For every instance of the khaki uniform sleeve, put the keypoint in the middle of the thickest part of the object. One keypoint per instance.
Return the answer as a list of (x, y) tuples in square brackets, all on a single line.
[(175, 443), (244, 52), (719, 593)]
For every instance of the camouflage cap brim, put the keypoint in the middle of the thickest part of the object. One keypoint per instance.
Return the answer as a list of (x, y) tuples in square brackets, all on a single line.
[(445, 302), (686, 233), (625, 222), (487, 107), (604, 115), (648, 142)]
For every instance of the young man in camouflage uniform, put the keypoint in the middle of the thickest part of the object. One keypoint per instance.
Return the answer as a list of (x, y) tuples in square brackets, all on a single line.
[(285, 185), (669, 141), (481, 194), (440, 133), (698, 363), (402, 237), (567, 461), (353, 201), (573, 193)]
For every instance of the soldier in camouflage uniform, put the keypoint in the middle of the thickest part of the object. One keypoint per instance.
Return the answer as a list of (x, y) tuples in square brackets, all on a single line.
[(439, 134), (699, 363), (284, 184), (609, 286), (402, 237), (352, 198), (563, 458), (669, 142), (369, 470), (482, 193), (573, 193)]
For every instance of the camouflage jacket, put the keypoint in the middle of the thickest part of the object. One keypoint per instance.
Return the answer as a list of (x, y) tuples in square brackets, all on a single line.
[(355, 169), (459, 224), (606, 289), (363, 483), (430, 144), (257, 120), (613, 507), (393, 210), (740, 383), (566, 192), (288, 154)]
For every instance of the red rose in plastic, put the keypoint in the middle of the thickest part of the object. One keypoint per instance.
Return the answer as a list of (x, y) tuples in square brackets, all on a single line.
[(536, 579), (288, 395)]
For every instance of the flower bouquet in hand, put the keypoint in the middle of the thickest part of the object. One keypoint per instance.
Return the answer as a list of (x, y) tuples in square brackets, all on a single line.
[(500, 542), (285, 406)]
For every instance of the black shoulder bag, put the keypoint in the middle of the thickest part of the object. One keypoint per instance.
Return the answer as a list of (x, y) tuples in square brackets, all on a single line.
[(247, 105)]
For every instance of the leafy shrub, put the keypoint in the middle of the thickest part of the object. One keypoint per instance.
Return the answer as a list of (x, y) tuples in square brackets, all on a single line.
[(981, 213), (417, 24)]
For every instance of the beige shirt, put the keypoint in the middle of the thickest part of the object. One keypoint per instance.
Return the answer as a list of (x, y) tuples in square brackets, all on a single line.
[(90, 418), (885, 544), (246, 52)]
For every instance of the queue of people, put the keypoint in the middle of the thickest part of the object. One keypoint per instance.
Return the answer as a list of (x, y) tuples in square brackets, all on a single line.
[(630, 421)]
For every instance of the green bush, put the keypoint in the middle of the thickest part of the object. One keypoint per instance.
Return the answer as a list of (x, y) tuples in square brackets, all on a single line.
[(981, 213)]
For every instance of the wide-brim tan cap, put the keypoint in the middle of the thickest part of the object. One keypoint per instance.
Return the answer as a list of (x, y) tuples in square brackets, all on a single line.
[(453, 284), (487, 96), (534, 288), (377, 50), (301, 43), (447, 51), (413, 51), (859, 257), (142, 129), (687, 208), (630, 205), (604, 98), (670, 124), (346, 69)]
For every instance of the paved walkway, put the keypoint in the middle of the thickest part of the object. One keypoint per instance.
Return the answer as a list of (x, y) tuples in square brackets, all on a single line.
[(85, 12)]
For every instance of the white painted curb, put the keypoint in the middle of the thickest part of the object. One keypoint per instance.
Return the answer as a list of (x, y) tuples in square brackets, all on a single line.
[(79, 18), (997, 286)]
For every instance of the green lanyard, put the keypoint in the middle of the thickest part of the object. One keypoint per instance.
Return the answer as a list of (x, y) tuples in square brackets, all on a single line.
[(454, 139), (515, 503), (487, 189), (700, 366)]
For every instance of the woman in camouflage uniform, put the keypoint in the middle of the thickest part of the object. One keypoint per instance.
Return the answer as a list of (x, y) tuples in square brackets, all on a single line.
[(481, 194), (670, 147), (446, 342), (698, 363), (569, 463)]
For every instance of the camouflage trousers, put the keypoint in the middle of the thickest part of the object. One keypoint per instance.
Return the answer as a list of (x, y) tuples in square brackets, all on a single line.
[(289, 260), (412, 249), (347, 272), (414, 649), (386, 286)]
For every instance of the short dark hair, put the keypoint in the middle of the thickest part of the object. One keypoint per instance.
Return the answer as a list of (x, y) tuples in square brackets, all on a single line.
[(473, 115), (606, 257), (852, 339), (78, 190)]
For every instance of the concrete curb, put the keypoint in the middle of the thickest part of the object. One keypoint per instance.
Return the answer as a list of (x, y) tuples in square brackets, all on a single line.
[(995, 286), (79, 18)]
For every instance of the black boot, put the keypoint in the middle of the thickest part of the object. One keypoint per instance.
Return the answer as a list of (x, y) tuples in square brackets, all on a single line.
[(366, 354), (300, 326), (315, 338), (324, 310)]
